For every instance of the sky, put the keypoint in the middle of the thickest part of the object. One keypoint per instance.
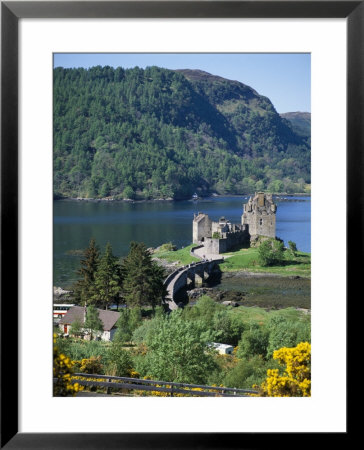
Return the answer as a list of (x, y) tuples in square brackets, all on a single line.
[(285, 78)]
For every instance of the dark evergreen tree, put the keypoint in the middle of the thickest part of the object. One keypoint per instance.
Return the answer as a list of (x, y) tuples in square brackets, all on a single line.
[(107, 280), (83, 289), (142, 277)]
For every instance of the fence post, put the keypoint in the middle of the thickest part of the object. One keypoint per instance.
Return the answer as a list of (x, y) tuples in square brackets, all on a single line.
[(171, 390), (108, 390)]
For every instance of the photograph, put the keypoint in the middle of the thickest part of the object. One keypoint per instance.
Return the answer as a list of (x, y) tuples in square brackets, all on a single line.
[(181, 200), (181, 225)]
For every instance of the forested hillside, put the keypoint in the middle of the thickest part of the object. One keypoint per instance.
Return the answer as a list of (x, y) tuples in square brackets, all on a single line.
[(158, 133), (301, 122)]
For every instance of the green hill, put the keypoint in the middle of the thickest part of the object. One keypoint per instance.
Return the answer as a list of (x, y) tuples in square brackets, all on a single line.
[(301, 122), (158, 133)]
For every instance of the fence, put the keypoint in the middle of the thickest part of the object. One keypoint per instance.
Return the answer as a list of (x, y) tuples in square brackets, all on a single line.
[(131, 384)]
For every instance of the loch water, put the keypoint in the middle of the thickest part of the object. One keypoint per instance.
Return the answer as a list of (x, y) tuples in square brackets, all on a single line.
[(154, 223)]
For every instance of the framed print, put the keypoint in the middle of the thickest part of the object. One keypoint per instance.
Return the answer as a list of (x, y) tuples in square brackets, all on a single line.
[(32, 35)]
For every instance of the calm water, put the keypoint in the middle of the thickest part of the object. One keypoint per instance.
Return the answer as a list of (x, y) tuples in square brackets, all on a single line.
[(154, 224)]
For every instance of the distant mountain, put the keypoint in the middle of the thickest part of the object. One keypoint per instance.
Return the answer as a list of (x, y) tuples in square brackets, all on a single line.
[(159, 133), (301, 122)]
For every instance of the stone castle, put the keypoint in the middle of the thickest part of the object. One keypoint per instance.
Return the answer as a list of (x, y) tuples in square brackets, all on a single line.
[(258, 221)]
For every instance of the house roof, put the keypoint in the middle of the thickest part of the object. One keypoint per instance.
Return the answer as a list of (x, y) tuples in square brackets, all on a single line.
[(108, 318)]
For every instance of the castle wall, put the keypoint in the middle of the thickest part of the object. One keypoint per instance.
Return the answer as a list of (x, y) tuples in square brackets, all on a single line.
[(228, 242)]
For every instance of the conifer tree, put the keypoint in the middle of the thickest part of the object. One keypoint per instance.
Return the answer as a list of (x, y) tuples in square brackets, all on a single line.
[(107, 279), (93, 322), (142, 277), (83, 289)]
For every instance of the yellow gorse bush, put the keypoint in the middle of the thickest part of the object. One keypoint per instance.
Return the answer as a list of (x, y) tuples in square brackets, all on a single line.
[(62, 371), (295, 381)]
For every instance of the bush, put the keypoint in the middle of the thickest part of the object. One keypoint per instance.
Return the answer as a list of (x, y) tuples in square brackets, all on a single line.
[(62, 371), (286, 333), (253, 342), (295, 379), (167, 247), (177, 351), (247, 373), (129, 320), (119, 362), (270, 252)]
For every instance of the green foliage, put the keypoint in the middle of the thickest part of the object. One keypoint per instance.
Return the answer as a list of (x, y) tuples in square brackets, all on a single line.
[(177, 350), (270, 252), (159, 133), (77, 328), (292, 250), (286, 333), (247, 373), (146, 330), (216, 235), (119, 361), (167, 247), (142, 277), (254, 341), (216, 318), (83, 289), (129, 320), (78, 349), (107, 283), (93, 323)]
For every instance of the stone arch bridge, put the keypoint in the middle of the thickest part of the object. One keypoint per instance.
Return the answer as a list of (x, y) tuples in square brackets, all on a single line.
[(191, 275)]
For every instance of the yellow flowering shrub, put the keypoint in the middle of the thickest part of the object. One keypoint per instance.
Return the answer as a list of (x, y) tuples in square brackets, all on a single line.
[(91, 365), (62, 371), (295, 381)]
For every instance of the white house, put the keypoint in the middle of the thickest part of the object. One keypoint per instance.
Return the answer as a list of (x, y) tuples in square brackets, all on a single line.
[(223, 349), (108, 319)]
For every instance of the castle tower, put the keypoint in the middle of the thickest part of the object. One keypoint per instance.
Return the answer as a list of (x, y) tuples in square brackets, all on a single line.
[(201, 227), (260, 216)]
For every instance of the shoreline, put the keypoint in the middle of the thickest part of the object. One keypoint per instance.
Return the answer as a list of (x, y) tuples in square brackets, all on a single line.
[(280, 196)]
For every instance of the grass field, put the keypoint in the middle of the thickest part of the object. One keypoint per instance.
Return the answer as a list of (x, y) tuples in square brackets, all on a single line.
[(182, 256), (245, 259), (248, 314)]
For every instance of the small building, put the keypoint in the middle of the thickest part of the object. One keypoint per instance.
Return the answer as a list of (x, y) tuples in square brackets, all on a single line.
[(60, 310), (108, 319), (223, 349)]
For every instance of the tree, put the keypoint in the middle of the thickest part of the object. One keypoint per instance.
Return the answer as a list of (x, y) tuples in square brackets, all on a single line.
[(142, 277), (246, 373), (293, 380), (270, 252), (107, 279), (93, 322), (129, 320), (83, 289), (286, 333), (178, 351), (253, 342), (292, 249), (77, 328), (119, 362)]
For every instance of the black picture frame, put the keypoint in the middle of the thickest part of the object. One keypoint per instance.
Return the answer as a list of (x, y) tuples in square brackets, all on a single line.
[(11, 12)]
